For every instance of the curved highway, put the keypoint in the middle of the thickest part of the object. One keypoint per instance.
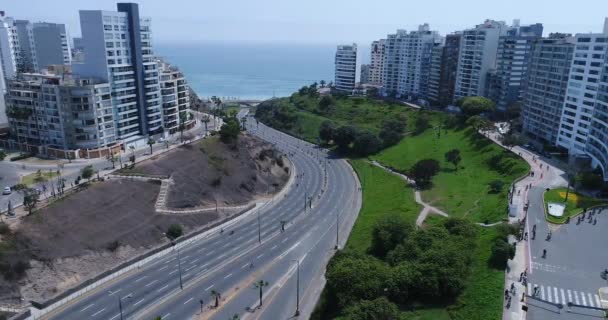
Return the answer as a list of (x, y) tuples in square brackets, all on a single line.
[(319, 209)]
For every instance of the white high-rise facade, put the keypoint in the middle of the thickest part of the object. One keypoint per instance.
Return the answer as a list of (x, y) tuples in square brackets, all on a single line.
[(9, 46), (376, 66), (586, 72), (477, 57), (346, 68), (117, 48), (408, 62)]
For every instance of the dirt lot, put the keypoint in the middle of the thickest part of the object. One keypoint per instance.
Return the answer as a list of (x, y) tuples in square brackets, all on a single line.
[(107, 223), (210, 170)]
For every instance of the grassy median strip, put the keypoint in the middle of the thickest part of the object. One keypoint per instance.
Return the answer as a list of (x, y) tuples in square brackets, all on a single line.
[(574, 206)]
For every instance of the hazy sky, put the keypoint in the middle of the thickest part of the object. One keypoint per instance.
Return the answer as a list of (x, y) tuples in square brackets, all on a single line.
[(320, 21)]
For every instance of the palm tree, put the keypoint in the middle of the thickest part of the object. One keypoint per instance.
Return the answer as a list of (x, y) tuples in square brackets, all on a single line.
[(182, 125), (151, 141), (217, 296), (322, 82), (260, 285), (205, 120)]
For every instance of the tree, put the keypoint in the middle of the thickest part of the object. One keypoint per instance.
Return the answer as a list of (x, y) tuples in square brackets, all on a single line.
[(496, 186), (230, 130), (590, 180), (2, 155), (326, 131), (512, 139), (344, 136), (216, 295), (87, 172), (380, 308), (151, 142), (112, 158), (478, 123), (391, 131), (472, 106), (260, 285), (453, 157), (174, 231), (30, 199), (422, 123), (391, 230), (501, 252), (422, 171), (322, 83), (366, 143), (325, 104), (183, 117)]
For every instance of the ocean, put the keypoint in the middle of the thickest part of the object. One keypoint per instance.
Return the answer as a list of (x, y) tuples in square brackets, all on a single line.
[(250, 71)]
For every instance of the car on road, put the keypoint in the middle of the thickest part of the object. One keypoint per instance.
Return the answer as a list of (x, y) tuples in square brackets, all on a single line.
[(7, 190)]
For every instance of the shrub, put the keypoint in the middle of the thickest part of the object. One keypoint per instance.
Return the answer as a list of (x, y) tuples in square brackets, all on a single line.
[(501, 252), (389, 231), (113, 246), (496, 186), (423, 171), (472, 106), (366, 143), (174, 231), (380, 308)]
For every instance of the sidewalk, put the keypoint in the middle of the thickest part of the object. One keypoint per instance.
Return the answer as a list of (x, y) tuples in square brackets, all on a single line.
[(546, 176)]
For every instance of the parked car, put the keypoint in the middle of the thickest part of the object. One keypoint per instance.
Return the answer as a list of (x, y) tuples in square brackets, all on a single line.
[(7, 190)]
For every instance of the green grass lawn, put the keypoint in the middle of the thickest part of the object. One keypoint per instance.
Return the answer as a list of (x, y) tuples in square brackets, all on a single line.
[(31, 178), (463, 192), (575, 205), (482, 296), (383, 193)]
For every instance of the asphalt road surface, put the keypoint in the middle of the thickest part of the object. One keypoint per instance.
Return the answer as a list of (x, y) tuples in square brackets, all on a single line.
[(576, 254), (230, 262)]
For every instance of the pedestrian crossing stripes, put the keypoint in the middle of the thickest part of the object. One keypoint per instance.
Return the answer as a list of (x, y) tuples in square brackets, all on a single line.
[(563, 296)]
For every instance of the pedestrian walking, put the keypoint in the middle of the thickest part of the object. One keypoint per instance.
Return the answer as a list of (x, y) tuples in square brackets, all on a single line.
[(521, 277), (526, 236), (506, 294), (534, 228), (544, 253), (541, 165), (594, 221)]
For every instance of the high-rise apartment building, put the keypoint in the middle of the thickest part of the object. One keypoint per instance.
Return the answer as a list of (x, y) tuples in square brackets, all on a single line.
[(408, 62), (477, 56), (586, 73), (346, 67), (51, 44), (505, 85), (27, 49), (444, 65), (9, 46), (175, 97), (364, 78), (52, 111), (118, 49), (376, 67), (545, 88)]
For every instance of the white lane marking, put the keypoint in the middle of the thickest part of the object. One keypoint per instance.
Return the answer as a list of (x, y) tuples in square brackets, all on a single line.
[(174, 271), (569, 295), (188, 300), (261, 255), (273, 247), (542, 292), (163, 288), (597, 300), (287, 238), (163, 268), (209, 252), (549, 296), (85, 308), (138, 302), (114, 317), (221, 256), (194, 261), (590, 299), (127, 296), (138, 280), (184, 258), (116, 291), (98, 312), (245, 265), (583, 300), (165, 316), (188, 269), (211, 286), (228, 276), (151, 283), (576, 297), (290, 249), (563, 296)]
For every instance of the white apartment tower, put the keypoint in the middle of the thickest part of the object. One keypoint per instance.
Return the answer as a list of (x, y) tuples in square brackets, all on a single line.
[(9, 46), (408, 62), (587, 72), (117, 48), (376, 66), (175, 97), (346, 67), (477, 57)]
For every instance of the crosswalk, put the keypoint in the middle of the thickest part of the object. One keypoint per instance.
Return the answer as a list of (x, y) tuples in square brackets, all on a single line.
[(563, 296)]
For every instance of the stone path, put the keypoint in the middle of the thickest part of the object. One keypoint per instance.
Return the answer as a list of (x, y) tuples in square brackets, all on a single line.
[(426, 208)]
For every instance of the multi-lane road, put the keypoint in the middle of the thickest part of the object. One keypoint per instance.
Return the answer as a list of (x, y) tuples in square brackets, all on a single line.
[(318, 209)]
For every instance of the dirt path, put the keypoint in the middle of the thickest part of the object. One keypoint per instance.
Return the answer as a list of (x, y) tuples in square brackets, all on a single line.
[(426, 208)]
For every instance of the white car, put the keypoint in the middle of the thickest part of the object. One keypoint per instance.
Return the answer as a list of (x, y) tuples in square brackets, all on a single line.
[(7, 190)]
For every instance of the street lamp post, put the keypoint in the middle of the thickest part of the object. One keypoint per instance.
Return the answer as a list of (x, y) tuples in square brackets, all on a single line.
[(259, 228), (129, 296), (179, 267), (297, 289), (337, 228)]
